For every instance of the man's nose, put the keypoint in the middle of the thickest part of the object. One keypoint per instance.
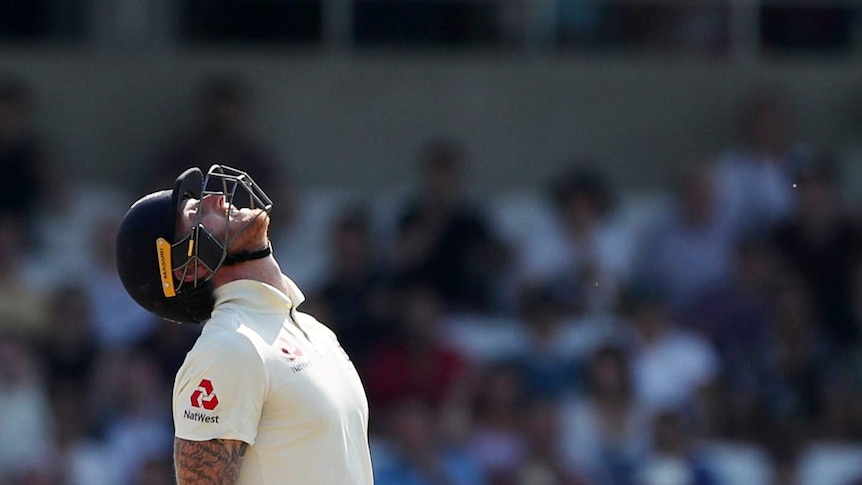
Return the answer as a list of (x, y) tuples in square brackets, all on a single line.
[(212, 202)]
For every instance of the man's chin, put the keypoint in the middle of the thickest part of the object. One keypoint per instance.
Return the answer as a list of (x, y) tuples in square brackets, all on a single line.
[(254, 237)]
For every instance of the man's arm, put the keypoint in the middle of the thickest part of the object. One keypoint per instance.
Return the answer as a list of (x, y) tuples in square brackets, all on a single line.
[(213, 462)]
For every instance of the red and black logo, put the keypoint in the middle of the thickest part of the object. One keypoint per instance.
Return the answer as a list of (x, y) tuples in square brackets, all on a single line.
[(204, 396), (289, 349)]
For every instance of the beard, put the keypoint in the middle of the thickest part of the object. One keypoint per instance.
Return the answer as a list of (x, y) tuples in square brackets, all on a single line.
[(255, 236)]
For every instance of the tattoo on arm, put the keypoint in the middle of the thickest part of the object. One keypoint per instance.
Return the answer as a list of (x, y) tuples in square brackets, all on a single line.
[(213, 462)]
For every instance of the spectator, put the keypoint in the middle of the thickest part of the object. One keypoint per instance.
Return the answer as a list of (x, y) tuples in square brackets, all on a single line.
[(443, 239), (673, 367), (71, 353), (796, 357), (81, 458), (156, 470), (843, 394), (22, 157), (414, 362), (117, 319), (604, 430), (35, 475), (303, 224), (26, 427), (356, 292), (134, 409), (415, 454), (544, 464), (65, 224), (497, 441), (689, 251), (221, 135), (737, 317), (822, 244), (675, 459), (585, 257), (22, 305), (168, 345), (549, 367), (755, 179)]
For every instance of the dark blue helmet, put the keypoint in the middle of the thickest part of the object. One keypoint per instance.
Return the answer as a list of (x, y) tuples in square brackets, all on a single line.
[(149, 256)]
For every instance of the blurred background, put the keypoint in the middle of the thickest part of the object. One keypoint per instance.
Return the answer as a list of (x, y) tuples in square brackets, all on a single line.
[(566, 242)]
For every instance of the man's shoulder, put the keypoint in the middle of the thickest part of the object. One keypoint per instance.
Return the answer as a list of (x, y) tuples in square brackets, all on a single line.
[(218, 354), (226, 336)]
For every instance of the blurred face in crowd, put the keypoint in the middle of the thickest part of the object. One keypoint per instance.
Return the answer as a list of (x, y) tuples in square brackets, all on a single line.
[(755, 264), (768, 124), (69, 404), (793, 306), (818, 201), (148, 389), (542, 314), (697, 194), (16, 362), (582, 196), (609, 373), (351, 246), (652, 319), (542, 427), (412, 426), (581, 211), (222, 110), (442, 173), (103, 237), (503, 387), (71, 307), (669, 433), (422, 313)]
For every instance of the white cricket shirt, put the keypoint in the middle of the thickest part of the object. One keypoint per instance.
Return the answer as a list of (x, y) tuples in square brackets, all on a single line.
[(285, 387)]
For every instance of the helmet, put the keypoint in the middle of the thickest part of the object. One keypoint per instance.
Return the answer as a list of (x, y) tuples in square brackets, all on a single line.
[(162, 274)]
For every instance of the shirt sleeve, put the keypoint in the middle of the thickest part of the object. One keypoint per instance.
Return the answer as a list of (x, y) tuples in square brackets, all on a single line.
[(219, 390)]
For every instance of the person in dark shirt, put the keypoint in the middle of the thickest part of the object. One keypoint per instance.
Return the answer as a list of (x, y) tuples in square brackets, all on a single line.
[(417, 361), (221, 132), (442, 238), (357, 295), (822, 244), (22, 158)]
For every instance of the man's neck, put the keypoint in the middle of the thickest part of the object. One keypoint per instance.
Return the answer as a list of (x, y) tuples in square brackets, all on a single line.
[(264, 270)]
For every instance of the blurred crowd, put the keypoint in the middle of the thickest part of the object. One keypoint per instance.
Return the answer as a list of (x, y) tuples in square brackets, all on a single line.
[(569, 334)]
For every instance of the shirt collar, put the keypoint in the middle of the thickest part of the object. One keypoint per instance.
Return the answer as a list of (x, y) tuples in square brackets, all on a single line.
[(259, 295)]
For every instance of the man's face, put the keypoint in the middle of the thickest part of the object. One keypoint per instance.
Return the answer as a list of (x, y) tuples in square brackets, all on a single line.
[(224, 221)]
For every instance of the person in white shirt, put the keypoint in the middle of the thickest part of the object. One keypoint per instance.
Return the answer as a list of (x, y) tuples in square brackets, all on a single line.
[(266, 395)]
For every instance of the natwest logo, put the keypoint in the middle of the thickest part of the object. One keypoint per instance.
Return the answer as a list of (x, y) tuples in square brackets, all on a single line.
[(289, 349), (204, 396)]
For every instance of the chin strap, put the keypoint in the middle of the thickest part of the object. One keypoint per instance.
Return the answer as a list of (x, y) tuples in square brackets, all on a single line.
[(232, 259)]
